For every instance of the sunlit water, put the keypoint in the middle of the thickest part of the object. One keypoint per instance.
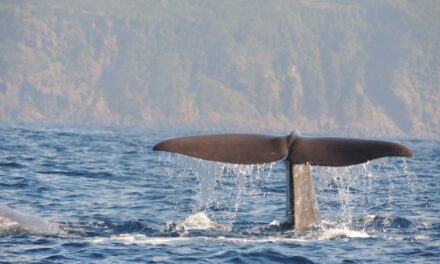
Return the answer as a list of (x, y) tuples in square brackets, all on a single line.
[(118, 201)]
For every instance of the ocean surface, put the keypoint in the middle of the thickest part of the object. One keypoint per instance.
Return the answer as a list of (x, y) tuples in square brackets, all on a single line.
[(115, 200)]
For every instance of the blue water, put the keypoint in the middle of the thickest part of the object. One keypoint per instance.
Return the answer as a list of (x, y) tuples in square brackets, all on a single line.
[(118, 201)]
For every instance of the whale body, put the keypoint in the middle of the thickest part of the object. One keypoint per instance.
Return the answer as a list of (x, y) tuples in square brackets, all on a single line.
[(13, 222)]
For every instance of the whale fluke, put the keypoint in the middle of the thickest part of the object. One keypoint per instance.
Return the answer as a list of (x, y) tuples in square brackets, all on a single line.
[(229, 148), (255, 149), (299, 154), (329, 151)]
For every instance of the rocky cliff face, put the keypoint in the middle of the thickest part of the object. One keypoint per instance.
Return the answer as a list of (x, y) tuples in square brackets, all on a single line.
[(333, 67)]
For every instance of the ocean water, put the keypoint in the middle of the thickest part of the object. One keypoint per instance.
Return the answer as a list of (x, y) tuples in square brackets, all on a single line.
[(114, 200)]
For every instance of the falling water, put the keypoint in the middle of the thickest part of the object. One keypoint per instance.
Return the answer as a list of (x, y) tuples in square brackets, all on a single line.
[(348, 193), (223, 188), (345, 194)]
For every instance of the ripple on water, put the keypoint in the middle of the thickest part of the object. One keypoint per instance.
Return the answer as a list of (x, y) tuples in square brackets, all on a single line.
[(118, 201)]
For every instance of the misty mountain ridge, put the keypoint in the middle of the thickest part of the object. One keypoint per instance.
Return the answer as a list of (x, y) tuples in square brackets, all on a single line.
[(335, 67)]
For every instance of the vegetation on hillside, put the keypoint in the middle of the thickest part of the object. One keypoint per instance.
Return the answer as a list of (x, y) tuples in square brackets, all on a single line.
[(364, 67)]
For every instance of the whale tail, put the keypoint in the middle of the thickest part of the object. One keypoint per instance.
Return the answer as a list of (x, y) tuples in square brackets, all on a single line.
[(299, 152), (256, 149)]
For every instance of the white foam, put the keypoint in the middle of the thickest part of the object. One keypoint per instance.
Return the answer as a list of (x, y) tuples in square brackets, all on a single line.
[(197, 221), (139, 239), (415, 238), (421, 238), (200, 221), (336, 233)]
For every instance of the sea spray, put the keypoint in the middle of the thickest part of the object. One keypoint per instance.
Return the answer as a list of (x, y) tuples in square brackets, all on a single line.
[(347, 194), (222, 188)]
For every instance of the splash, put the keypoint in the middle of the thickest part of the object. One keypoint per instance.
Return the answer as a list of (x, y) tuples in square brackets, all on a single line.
[(341, 233), (140, 239), (195, 222), (223, 188), (345, 193), (200, 221)]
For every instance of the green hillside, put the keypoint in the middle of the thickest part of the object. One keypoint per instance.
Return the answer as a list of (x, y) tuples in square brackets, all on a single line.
[(351, 67)]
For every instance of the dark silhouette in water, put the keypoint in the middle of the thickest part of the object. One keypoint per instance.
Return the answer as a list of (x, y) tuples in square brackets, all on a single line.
[(298, 151)]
